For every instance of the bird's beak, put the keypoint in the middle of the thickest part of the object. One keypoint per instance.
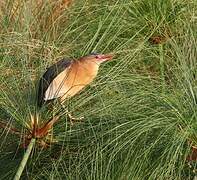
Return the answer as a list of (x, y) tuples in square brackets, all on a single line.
[(105, 57)]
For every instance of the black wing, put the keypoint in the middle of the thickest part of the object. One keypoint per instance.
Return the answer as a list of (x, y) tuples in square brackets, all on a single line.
[(49, 76)]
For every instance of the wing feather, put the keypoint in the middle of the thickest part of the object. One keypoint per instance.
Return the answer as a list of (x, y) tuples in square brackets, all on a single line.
[(51, 73)]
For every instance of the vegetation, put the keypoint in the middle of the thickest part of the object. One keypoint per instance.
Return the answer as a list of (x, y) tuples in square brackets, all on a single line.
[(141, 111)]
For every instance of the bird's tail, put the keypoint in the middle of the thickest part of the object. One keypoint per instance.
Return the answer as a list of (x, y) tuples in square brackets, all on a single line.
[(40, 94)]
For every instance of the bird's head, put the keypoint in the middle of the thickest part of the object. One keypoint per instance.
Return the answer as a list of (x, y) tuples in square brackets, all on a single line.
[(97, 58)]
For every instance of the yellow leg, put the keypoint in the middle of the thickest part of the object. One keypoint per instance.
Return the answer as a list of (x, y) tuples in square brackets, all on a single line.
[(74, 118), (71, 118)]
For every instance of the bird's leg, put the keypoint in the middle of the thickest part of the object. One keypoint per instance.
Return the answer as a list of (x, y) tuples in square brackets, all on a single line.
[(71, 118), (74, 118)]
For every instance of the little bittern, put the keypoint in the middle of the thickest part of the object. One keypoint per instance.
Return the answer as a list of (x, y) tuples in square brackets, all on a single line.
[(68, 77)]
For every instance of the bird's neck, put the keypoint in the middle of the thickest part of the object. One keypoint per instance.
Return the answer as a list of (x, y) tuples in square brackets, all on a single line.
[(90, 66)]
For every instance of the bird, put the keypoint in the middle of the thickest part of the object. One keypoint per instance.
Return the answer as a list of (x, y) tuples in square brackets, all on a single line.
[(68, 77)]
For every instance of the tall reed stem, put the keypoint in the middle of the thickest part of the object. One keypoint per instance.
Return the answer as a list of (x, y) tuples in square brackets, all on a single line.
[(25, 159)]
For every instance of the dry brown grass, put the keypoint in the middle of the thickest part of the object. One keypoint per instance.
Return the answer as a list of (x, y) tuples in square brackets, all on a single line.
[(57, 7), (34, 14)]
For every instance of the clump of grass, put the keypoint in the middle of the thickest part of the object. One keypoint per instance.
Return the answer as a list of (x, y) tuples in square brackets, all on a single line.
[(139, 113)]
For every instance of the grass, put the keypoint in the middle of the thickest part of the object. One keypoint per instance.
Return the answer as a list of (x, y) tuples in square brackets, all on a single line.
[(140, 112)]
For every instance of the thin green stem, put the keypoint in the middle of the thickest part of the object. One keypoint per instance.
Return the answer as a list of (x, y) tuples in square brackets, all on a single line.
[(162, 73), (25, 159)]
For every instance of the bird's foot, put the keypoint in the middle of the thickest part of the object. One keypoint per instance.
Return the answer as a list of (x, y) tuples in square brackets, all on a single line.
[(73, 119)]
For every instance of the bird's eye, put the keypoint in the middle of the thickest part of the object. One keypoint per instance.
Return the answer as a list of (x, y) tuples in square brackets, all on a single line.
[(96, 57)]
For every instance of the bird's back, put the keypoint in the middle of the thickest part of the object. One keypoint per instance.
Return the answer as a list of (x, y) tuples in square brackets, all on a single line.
[(51, 73)]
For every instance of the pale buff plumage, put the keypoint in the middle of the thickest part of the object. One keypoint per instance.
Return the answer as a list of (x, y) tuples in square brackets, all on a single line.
[(72, 80), (66, 78)]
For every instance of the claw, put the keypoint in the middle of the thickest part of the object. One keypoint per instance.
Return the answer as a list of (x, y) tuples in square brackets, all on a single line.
[(71, 118), (74, 118)]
